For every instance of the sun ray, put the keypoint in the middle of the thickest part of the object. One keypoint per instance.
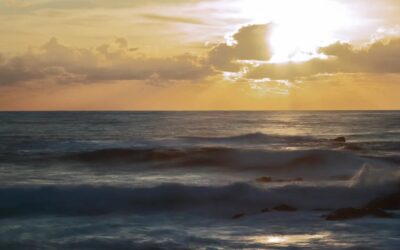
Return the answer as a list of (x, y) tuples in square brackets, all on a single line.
[(300, 26)]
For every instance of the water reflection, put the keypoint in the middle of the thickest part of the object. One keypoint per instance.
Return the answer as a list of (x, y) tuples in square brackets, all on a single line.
[(289, 240)]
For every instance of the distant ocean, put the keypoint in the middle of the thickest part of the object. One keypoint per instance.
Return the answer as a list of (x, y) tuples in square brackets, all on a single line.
[(196, 180)]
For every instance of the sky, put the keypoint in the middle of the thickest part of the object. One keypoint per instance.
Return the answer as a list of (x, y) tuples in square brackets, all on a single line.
[(199, 55)]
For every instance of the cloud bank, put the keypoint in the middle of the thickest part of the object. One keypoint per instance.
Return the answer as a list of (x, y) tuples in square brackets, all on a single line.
[(55, 62), (381, 56), (87, 4), (249, 43)]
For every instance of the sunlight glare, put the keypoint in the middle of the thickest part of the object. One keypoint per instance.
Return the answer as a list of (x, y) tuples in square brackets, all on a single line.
[(290, 240), (300, 26)]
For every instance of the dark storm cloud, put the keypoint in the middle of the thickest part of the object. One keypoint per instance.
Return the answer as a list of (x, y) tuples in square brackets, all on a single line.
[(249, 44), (109, 62)]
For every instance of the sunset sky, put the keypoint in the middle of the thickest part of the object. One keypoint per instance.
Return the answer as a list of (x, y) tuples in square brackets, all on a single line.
[(199, 54)]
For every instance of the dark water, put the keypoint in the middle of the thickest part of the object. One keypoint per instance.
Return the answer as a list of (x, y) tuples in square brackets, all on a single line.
[(173, 180)]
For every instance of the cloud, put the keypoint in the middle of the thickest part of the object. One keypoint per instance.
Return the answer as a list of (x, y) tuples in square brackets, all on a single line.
[(58, 63), (122, 42), (173, 19), (18, 3), (88, 4), (249, 43), (381, 56)]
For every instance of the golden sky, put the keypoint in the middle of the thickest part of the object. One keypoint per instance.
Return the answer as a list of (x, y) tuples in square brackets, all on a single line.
[(199, 54)]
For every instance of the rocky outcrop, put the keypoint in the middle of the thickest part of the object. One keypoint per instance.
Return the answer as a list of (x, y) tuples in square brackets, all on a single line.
[(290, 180), (390, 202), (238, 216), (375, 208), (264, 179), (285, 208), (340, 139), (265, 210), (267, 179), (355, 213)]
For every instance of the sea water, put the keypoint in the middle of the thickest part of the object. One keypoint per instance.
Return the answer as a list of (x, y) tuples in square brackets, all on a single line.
[(174, 180)]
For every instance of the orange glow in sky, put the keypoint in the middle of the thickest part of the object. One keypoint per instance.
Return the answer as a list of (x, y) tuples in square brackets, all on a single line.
[(199, 54)]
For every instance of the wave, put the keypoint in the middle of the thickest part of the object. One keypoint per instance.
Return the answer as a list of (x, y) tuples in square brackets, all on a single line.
[(209, 200), (371, 146), (369, 175), (294, 164), (43, 145), (253, 138)]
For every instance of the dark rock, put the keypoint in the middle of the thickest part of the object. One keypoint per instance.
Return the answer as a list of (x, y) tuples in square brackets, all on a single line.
[(307, 160), (322, 209), (353, 147), (354, 213), (391, 202), (238, 216), (285, 208), (374, 208), (264, 179), (290, 180), (340, 139), (265, 210), (380, 213)]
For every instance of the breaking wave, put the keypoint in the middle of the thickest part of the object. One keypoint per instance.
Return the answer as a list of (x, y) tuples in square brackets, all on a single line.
[(253, 138), (312, 164), (210, 200)]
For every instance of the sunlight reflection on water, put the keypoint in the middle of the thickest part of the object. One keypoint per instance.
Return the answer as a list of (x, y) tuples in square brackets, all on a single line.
[(302, 240)]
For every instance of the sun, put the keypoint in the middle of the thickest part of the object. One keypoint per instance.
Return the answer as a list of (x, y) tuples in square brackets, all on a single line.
[(301, 26)]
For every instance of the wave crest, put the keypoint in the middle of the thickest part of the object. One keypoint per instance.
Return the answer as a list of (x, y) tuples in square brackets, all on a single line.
[(253, 138), (304, 163)]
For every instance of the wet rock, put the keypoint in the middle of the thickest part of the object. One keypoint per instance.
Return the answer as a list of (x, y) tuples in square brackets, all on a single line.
[(340, 139), (380, 213), (355, 213), (391, 202), (290, 180), (238, 216), (307, 160), (264, 179), (265, 210), (322, 209), (285, 208), (353, 147)]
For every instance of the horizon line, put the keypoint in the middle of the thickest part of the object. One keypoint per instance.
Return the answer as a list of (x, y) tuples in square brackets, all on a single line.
[(213, 110)]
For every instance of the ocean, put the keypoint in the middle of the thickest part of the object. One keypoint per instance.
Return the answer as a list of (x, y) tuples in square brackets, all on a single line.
[(196, 180)]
